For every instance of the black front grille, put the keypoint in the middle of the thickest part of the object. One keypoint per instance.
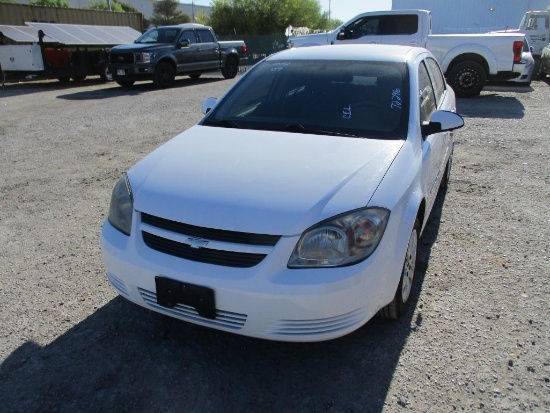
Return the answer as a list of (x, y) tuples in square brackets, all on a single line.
[(209, 233), (206, 255), (122, 58)]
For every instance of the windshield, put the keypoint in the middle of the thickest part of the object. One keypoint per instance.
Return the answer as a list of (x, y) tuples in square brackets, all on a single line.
[(348, 98), (159, 35)]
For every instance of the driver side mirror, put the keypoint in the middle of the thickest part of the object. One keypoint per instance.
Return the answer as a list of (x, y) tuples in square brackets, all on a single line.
[(183, 43), (442, 121), (342, 35), (208, 104)]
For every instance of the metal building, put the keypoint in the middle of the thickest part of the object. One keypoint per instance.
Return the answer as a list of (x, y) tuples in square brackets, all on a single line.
[(473, 16)]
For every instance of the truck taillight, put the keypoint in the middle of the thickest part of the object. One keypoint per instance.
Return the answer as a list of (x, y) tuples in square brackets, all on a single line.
[(244, 50), (518, 51)]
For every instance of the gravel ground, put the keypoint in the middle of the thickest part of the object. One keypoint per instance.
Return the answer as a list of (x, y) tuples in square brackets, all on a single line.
[(477, 340)]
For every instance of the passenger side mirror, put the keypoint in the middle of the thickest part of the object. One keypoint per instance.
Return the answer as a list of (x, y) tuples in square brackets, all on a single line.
[(183, 43), (442, 121), (208, 104)]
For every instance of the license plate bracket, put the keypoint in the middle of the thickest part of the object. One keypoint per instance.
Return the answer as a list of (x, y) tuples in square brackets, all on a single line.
[(121, 72), (171, 292)]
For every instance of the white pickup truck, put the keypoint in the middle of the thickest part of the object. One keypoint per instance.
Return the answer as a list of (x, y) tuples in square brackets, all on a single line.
[(467, 60)]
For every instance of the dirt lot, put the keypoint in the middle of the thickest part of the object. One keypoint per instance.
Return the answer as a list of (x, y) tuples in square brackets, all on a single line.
[(478, 338)]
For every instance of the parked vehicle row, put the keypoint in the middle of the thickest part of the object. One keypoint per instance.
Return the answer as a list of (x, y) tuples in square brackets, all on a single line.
[(293, 210), (467, 60), (162, 53)]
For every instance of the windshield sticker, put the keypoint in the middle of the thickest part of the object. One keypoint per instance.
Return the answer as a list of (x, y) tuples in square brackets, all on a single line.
[(346, 113), (396, 99), (277, 67)]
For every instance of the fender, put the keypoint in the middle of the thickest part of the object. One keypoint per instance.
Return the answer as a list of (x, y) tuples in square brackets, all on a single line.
[(166, 55), (229, 52), (483, 52)]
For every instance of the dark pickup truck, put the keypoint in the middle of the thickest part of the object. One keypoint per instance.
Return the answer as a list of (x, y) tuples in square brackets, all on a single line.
[(161, 53)]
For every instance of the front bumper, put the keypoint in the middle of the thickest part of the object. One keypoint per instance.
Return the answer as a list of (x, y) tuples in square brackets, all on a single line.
[(266, 301), (132, 72)]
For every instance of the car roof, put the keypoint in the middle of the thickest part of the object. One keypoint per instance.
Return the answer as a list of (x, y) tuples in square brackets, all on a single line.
[(366, 52), (184, 26)]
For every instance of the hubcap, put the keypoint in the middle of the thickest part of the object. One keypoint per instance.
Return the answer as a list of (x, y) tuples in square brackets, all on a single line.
[(408, 267)]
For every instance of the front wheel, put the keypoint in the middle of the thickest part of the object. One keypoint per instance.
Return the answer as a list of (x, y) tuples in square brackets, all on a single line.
[(164, 75), (231, 67), (467, 79), (105, 73), (400, 303)]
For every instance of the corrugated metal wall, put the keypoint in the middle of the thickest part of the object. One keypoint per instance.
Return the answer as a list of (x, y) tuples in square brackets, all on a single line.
[(18, 14), (473, 16)]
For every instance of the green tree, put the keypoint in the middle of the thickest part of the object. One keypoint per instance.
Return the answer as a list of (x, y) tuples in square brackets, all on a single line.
[(51, 3), (115, 6), (202, 18), (252, 17), (165, 13), (102, 5)]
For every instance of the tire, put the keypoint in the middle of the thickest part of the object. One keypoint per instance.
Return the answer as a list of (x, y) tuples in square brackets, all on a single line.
[(125, 83), (64, 79), (400, 303), (105, 73), (195, 75), (164, 75), (467, 79), (231, 67), (79, 78)]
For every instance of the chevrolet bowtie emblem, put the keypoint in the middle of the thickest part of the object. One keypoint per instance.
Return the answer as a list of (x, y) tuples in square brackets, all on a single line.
[(196, 242)]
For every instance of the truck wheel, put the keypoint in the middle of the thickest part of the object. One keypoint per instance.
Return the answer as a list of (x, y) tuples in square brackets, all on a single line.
[(79, 78), (401, 300), (125, 83), (64, 79), (164, 75), (105, 73), (195, 75), (231, 67), (467, 79)]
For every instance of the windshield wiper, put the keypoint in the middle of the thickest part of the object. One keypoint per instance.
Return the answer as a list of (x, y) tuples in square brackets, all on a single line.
[(223, 123), (296, 127)]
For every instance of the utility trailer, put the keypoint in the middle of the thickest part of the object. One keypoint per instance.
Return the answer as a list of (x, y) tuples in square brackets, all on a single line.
[(59, 51)]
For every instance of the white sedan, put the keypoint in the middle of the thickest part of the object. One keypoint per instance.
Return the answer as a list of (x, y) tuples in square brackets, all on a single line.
[(292, 211)]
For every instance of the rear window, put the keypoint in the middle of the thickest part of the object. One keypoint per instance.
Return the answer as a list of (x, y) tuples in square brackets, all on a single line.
[(358, 98)]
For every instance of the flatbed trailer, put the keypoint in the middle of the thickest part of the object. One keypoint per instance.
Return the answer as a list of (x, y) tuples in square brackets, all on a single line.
[(59, 51)]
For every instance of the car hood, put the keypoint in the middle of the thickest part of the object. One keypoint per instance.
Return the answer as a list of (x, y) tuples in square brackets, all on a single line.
[(258, 181)]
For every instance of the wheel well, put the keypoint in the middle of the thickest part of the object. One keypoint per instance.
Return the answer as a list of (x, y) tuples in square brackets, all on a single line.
[(167, 60), (420, 214), (232, 55), (468, 57)]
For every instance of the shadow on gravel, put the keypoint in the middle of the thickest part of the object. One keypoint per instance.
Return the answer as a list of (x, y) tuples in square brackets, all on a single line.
[(135, 90), (124, 358), (30, 87), (493, 105)]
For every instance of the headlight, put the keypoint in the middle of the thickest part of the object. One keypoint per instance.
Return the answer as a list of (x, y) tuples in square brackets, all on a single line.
[(122, 206), (343, 240), (143, 58)]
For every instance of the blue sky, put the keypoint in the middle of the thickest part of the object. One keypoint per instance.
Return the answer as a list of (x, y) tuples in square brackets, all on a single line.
[(346, 9), (339, 9)]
